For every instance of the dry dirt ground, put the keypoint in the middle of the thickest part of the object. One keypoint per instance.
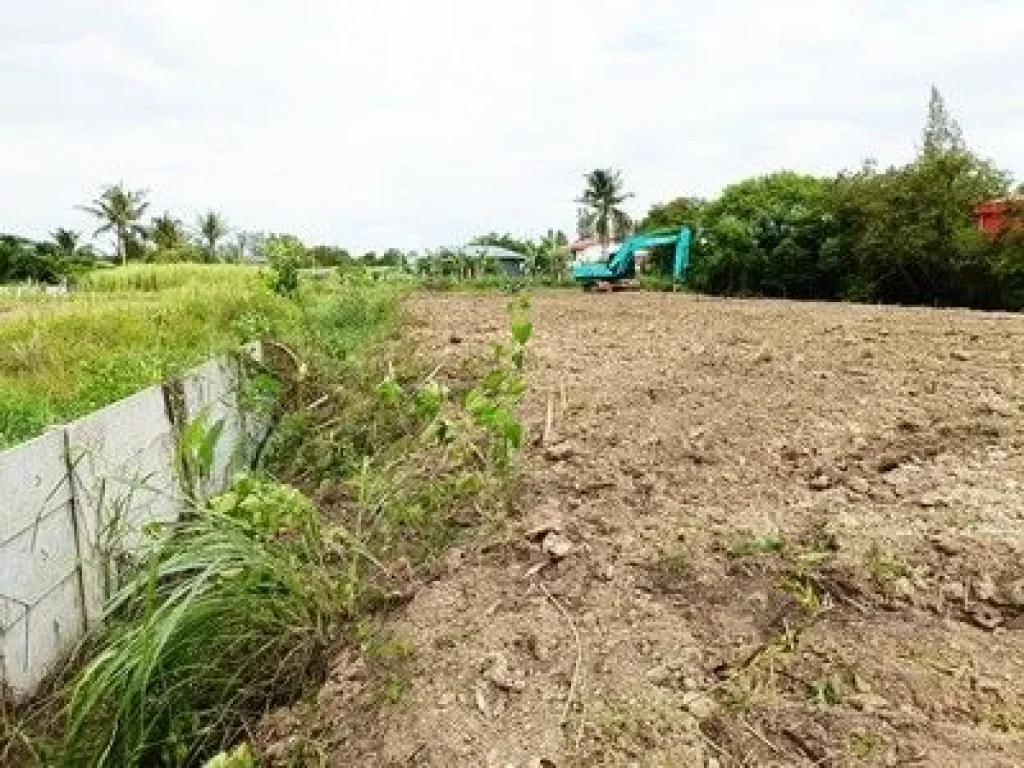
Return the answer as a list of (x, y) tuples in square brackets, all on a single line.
[(762, 534)]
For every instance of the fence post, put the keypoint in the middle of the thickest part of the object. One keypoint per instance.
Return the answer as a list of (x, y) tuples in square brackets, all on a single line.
[(73, 505)]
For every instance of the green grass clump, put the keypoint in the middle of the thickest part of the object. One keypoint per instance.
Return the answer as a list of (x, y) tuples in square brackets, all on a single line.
[(768, 544), (232, 614)]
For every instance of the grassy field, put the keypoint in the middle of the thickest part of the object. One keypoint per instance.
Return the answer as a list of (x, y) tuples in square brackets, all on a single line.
[(127, 328)]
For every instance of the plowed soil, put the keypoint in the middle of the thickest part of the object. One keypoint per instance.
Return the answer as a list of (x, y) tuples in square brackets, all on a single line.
[(758, 533)]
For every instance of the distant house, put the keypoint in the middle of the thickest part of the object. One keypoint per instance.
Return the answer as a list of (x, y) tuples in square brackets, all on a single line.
[(509, 262), (591, 251), (993, 216)]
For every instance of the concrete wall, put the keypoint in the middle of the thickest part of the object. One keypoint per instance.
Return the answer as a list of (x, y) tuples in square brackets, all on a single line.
[(74, 502)]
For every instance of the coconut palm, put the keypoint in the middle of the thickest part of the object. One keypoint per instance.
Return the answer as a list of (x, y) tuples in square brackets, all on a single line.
[(602, 199), (167, 232), (120, 210), (212, 228)]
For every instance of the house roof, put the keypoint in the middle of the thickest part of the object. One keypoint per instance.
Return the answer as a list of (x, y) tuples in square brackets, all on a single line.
[(999, 204), (494, 251)]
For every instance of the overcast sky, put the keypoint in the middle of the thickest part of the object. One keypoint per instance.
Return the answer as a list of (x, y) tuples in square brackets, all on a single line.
[(416, 123)]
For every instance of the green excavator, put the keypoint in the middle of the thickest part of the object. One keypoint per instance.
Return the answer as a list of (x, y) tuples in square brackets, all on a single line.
[(621, 264)]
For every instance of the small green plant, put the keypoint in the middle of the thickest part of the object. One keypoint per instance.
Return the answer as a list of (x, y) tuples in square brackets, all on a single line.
[(492, 402), (865, 745), (756, 678), (801, 586), (196, 451), (670, 567), (388, 657), (1005, 719), (827, 690), (884, 567), (769, 543)]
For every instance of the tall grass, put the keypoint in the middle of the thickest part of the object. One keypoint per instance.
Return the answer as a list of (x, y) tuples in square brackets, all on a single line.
[(162, 277), (233, 613), (139, 325)]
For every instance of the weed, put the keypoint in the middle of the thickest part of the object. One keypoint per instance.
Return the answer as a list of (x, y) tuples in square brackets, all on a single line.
[(827, 690), (770, 543), (670, 566), (61, 362), (801, 586), (755, 680), (884, 567), (865, 745), (129, 328), (235, 607), (388, 658), (1003, 719), (195, 449)]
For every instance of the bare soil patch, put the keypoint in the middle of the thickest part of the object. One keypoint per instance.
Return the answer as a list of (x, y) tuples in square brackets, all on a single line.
[(761, 534)]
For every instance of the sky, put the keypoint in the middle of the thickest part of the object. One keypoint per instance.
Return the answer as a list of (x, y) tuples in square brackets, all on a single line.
[(420, 123)]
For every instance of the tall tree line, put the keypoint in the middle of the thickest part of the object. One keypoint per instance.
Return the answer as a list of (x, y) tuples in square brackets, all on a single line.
[(903, 235)]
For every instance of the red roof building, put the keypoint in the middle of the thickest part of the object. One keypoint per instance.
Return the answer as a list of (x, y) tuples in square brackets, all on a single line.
[(993, 216)]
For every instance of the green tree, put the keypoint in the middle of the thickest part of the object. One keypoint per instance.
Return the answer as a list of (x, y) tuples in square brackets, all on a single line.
[(120, 210), (328, 256), (547, 254), (603, 199), (167, 232), (682, 211), (66, 242), (942, 134), (22, 259), (212, 229), (764, 236), (907, 233)]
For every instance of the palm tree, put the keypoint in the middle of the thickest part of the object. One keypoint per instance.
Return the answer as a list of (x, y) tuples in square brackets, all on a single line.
[(167, 232), (602, 199), (121, 211), (212, 227)]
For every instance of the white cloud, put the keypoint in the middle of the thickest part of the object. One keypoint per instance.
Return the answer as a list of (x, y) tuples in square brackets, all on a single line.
[(409, 123)]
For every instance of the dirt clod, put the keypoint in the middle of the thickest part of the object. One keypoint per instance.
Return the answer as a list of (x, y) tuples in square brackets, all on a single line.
[(700, 705), (1013, 594), (867, 702), (562, 451), (820, 482), (986, 617), (556, 546), (947, 545)]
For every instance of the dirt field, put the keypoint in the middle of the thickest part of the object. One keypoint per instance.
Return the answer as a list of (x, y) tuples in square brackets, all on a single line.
[(762, 534)]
